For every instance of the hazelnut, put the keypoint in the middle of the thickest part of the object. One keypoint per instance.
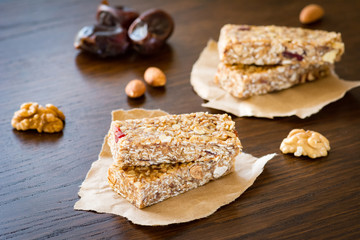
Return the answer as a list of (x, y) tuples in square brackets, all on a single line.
[(155, 77), (135, 88)]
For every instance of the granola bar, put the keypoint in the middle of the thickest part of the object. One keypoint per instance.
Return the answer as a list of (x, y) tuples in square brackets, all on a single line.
[(243, 81), (270, 45), (173, 138), (146, 185)]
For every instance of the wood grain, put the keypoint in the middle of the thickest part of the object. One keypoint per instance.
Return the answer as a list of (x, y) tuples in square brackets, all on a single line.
[(40, 174)]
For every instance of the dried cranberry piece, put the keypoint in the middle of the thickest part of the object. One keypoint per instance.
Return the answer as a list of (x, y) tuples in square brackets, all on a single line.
[(292, 55), (244, 28), (118, 134)]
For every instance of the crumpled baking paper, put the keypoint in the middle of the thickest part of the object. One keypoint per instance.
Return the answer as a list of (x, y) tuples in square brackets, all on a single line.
[(96, 195), (302, 100)]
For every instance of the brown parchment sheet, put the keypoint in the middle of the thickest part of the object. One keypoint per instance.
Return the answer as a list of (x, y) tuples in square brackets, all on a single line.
[(96, 195), (302, 100)]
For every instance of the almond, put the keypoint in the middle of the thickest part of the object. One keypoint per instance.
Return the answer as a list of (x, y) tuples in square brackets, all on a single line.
[(155, 77), (311, 13), (135, 88)]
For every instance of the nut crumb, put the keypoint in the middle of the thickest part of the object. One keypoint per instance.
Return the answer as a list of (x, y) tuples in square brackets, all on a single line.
[(34, 116), (196, 172), (330, 56), (306, 143), (219, 171)]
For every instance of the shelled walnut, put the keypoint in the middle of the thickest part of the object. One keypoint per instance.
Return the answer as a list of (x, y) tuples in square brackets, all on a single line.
[(34, 116), (307, 143)]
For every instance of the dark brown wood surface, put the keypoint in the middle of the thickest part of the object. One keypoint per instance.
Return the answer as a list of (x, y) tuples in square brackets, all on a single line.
[(40, 174)]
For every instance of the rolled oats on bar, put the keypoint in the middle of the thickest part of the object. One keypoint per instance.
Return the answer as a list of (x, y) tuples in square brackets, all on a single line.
[(270, 45), (146, 185), (172, 139), (243, 81)]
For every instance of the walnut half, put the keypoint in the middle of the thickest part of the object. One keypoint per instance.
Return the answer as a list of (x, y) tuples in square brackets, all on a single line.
[(34, 116), (306, 143)]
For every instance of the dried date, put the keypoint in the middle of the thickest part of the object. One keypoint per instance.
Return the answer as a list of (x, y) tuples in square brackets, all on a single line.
[(111, 16), (119, 27), (151, 30), (104, 41)]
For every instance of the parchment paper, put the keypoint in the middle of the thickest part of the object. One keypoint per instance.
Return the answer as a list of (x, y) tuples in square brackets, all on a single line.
[(96, 195), (302, 100)]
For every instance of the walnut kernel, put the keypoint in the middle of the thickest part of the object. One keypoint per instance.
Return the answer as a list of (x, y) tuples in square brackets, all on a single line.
[(34, 116), (155, 77), (135, 88), (306, 143)]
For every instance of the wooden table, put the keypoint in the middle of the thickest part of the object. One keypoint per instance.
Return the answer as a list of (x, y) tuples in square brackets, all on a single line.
[(40, 174)]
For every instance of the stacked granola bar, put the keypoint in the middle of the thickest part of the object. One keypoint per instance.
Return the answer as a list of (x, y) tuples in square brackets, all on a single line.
[(161, 157), (256, 60)]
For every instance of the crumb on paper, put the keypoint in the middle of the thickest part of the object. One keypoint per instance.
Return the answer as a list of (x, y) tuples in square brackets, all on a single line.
[(305, 143)]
